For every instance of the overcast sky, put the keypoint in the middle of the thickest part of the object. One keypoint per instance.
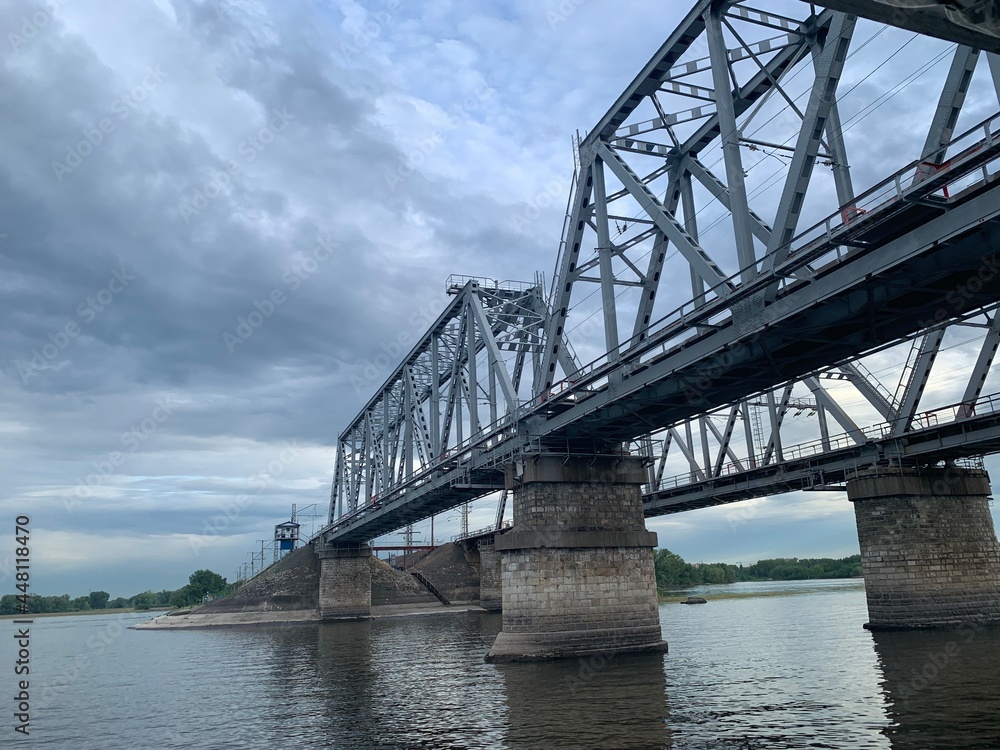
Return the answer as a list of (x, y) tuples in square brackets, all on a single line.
[(171, 168)]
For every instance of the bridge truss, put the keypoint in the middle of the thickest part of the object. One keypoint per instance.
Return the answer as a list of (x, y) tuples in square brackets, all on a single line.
[(709, 311)]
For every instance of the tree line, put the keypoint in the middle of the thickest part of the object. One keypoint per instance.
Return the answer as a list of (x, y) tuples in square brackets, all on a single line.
[(672, 571), (200, 583)]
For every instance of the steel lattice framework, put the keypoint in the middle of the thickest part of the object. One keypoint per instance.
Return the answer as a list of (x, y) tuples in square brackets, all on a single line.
[(718, 310), (465, 377)]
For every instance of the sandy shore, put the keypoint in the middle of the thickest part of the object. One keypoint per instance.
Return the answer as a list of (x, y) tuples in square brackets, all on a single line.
[(239, 619)]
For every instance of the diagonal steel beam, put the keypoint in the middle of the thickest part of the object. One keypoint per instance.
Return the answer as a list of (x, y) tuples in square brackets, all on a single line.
[(917, 381), (704, 266), (984, 361), (829, 404), (829, 70), (486, 331), (721, 193), (942, 129)]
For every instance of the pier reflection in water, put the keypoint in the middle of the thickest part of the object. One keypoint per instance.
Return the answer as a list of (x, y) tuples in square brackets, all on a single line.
[(616, 702), (941, 687), (788, 671)]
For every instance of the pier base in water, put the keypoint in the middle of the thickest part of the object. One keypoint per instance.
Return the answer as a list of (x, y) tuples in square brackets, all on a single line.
[(929, 553), (577, 569), (345, 582)]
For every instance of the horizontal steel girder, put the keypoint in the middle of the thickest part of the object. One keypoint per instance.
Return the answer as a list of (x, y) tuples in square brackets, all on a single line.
[(879, 295), (974, 23)]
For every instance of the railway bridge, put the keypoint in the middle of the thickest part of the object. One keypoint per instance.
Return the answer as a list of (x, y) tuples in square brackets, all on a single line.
[(737, 310)]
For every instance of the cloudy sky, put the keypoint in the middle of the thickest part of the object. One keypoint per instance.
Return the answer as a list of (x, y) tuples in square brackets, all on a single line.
[(171, 168)]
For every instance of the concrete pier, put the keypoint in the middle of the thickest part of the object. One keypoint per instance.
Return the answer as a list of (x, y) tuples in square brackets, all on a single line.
[(577, 568), (345, 582), (929, 553), (490, 587)]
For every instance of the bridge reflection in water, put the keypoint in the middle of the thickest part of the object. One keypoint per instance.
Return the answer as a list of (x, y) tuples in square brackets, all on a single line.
[(612, 701), (942, 687)]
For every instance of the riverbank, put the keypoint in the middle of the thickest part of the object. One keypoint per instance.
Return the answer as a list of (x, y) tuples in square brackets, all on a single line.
[(292, 617), (759, 589), (111, 611)]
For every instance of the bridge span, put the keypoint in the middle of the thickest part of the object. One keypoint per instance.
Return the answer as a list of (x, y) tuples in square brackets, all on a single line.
[(707, 327)]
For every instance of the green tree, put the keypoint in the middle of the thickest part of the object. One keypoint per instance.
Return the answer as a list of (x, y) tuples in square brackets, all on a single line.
[(182, 597), (145, 600), (99, 599), (204, 582), (81, 603)]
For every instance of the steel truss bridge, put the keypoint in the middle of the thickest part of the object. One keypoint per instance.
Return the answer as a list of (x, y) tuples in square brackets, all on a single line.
[(747, 341)]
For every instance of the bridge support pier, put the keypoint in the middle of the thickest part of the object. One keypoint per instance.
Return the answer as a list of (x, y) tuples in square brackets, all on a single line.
[(490, 587), (577, 568), (345, 582), (929, 553)]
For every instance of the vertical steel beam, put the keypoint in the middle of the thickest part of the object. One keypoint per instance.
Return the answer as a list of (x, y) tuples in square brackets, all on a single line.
[(735, 176), (706, 456), (748, 435), (407, 427), (604, 253), (473, 374), (435, 405), (691, 227)]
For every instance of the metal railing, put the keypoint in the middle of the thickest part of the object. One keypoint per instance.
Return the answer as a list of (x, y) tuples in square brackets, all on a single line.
[(925, 420)]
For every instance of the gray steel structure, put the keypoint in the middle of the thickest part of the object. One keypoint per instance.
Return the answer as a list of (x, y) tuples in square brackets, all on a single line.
[(777, 318)]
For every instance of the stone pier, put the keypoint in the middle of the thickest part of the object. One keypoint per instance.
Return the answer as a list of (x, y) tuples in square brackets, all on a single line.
[(345, 582), (929, 553), (577, 568), (490, 587)]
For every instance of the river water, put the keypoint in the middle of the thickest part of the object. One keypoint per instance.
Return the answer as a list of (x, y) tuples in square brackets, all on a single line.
[(763, 665)]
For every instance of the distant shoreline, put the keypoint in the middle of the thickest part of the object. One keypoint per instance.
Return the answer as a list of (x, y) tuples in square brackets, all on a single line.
[(111, 611)]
